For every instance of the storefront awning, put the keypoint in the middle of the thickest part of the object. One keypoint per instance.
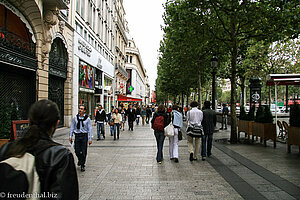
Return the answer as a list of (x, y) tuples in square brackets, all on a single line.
[(125, 98)]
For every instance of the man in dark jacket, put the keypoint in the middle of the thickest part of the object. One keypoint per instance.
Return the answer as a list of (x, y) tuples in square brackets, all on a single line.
[(208, 123), (99, 120), (130, 113)]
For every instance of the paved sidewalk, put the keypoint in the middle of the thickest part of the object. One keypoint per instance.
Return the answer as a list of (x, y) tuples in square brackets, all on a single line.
[(127, 169)]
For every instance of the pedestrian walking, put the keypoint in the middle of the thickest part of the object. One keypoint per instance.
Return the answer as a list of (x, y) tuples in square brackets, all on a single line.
[(53, 163), (225, 112), (143, 115), (130, 113), (81, 127), (194, 117), (159, 121), (117, 117), (111, 121), (123, 113), (148, 114), (138, 115), (177, 120), (99, 120), (208, 123)]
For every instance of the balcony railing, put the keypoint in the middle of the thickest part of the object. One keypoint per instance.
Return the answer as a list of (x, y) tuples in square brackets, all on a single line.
[(121, 70), (16, 43)]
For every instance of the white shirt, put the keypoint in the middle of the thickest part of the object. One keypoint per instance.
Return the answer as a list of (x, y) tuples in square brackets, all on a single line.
[(194, 116)]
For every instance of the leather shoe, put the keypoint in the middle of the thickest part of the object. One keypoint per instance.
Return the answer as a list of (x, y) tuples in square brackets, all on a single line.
[(82, 169), (176, 160), (191, 156)]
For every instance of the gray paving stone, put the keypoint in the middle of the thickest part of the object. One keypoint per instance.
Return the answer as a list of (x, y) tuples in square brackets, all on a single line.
[(127, 169)]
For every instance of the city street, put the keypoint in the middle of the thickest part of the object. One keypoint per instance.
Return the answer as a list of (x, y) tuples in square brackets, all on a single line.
[(127, 169)]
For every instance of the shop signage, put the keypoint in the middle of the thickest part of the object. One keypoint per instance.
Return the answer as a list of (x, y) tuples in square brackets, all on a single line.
[(19, 127), (130, 88), (17, 59), (84, 48), (122, 85), (99, 63)]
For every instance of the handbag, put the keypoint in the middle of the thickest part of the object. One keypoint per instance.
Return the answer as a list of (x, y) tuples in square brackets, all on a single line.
[(169, 130), (195, 130), (179, 135), (112, 122)]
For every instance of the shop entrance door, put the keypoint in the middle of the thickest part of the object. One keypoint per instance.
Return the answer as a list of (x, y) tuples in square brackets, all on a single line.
[(56, 94)]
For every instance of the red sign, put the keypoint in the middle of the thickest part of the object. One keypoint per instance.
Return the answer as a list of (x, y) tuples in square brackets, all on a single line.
[(125, 98), (122, 85)]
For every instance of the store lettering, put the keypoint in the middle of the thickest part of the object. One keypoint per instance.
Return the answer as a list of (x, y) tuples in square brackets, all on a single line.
[(84, 48), (10, 58)]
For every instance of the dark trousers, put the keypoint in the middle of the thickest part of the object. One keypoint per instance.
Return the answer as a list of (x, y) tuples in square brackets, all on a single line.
[(224, 121), (130, 124), (206, 145), (160, 138), (147, 118), (81, 141), (117, 130)]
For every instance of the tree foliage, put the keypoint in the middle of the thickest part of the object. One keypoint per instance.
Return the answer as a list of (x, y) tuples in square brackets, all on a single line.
[(195, 30)]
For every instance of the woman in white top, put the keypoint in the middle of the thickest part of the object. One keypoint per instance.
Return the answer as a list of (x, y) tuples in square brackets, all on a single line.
[(194, 117), (118, 121), (173, 141)]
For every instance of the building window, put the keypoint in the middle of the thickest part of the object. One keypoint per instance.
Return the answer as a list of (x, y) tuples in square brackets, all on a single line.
[(130, 61), (126, 58), (85, 34), (77, 5), (82, 8)]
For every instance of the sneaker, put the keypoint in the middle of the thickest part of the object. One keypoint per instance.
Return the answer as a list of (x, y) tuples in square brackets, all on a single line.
[(98, 139), (171, 158), (103, 137), (221, 128), (78, 163), (82, 169), (176, 160), (159, 162), (225, 128), (191, 156), (203, 158)]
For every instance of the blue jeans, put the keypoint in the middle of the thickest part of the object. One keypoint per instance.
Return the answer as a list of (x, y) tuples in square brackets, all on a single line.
[(206, 149), (81, 148), (100, 127), (112, 129), (160, 137), (117, 130)]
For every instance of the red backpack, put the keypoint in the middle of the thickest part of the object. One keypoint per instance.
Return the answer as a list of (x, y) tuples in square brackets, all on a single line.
[(159, 123)]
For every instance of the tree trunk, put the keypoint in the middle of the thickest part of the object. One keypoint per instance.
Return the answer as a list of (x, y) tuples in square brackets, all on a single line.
[(234, 52), (243, 100), (199, 90)]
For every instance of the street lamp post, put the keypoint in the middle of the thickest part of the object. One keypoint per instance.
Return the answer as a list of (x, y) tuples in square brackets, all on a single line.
[(214, 65)]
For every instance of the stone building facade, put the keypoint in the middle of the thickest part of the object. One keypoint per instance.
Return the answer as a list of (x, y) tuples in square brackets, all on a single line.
[(137, 86), (121, 76), (94, 45), (36, 55)]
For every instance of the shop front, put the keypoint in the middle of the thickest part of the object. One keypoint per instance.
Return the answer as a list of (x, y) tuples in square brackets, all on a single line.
[(58, 60), (18, 66), (125, 101), (92, 74)]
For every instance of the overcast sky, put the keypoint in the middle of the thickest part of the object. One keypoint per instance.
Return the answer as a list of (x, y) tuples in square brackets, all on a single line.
[(144, 20)]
